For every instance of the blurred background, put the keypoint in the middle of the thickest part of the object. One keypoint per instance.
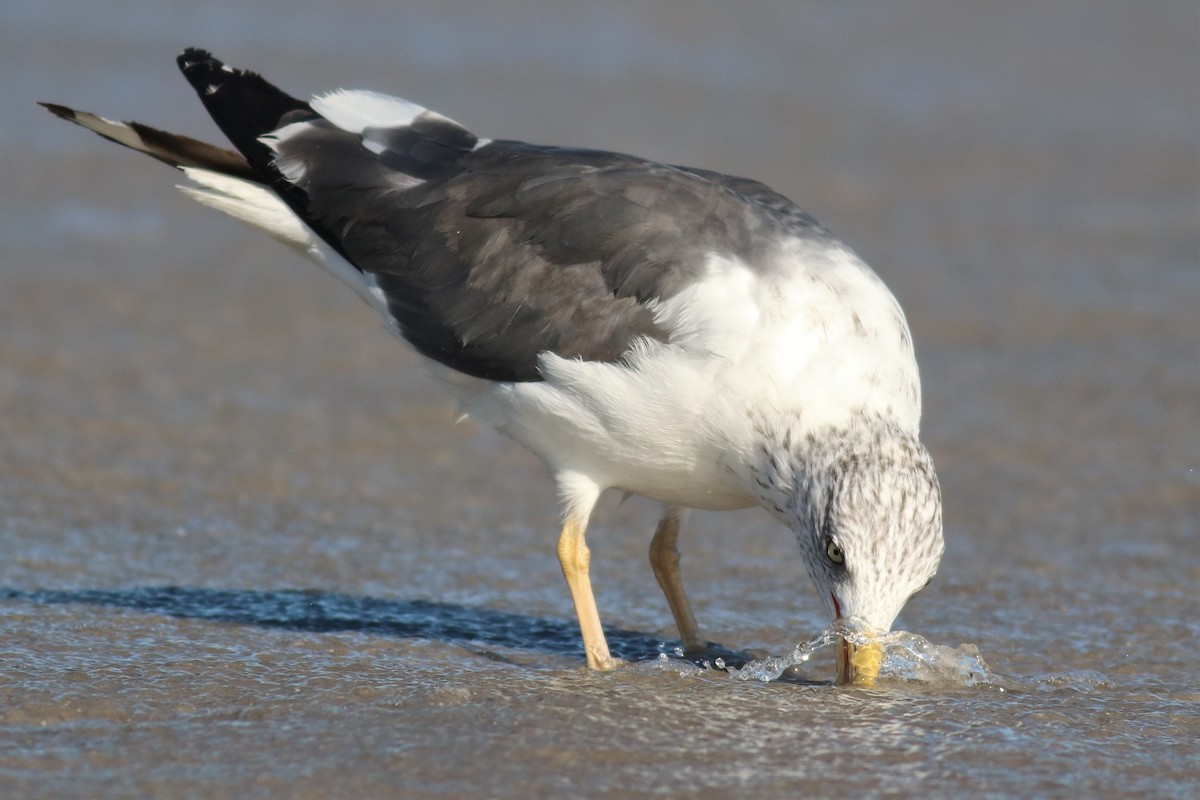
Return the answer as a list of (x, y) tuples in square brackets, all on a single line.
[(182, 402)]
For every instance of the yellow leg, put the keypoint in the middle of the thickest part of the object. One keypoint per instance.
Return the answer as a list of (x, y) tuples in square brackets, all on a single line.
[(664, 559), (574, 556)]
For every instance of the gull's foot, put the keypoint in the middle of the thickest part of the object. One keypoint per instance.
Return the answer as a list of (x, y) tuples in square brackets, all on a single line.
[(605, 663)]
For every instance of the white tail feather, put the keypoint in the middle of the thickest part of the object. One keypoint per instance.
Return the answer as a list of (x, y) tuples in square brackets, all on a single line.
[(253, 204), (262, 209)]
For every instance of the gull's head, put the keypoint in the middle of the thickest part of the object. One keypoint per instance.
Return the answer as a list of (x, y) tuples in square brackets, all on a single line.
[(868, 517)]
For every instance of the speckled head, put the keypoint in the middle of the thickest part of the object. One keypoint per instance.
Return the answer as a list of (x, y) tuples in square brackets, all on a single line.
[(868, 518)]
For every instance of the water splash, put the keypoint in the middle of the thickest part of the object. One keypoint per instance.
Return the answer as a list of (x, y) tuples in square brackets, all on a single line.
[(772, 667), (910, 657), (907, 657)]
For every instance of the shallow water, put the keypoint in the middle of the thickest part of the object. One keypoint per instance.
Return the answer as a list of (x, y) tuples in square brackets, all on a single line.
[(907, 657), (244, 550)]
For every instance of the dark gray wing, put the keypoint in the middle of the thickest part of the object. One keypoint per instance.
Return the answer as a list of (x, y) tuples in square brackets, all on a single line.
[(490, 254), (768, 201), (514, 249)]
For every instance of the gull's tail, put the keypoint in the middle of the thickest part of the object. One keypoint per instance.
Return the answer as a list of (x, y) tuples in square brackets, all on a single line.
[(242, 103), (169, 148), (244, 183)]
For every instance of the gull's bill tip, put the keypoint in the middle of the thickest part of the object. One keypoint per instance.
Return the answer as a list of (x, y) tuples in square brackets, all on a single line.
[(858, 663)]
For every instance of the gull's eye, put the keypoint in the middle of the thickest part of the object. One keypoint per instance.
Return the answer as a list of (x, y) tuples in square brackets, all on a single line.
[(834, 552)]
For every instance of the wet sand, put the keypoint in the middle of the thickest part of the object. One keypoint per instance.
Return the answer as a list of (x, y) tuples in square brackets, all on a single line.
[(246, 552)]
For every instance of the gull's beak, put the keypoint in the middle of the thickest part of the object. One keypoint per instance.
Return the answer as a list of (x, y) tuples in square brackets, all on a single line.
[(858, 664)]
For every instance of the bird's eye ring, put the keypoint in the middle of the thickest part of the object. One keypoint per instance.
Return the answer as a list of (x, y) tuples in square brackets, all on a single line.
[(834, 552)]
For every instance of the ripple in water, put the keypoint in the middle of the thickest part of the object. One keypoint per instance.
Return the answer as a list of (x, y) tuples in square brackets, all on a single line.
[(907, 657)]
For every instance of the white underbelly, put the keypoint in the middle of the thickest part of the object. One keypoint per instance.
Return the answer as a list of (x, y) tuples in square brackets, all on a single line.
[(640, 431)]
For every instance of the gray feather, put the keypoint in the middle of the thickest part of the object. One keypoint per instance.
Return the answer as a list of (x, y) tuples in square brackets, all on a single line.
[(489, 256)]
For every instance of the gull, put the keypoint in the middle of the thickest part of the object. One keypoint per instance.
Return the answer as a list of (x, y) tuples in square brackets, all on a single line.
[(669, 332)]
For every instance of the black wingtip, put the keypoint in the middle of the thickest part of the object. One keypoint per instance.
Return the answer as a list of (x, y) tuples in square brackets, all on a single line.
[(242, 103), (59, 111), (197, 58), (192, 55), (202, 69), (208, 74)]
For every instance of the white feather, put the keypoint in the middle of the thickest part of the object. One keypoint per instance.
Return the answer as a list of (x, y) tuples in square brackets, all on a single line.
[(356, 109), (262, 209), (293, 169), (251, 203)]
